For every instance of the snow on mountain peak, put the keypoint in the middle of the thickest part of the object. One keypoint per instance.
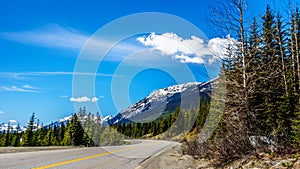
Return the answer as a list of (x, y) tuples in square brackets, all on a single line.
[(160, 101)]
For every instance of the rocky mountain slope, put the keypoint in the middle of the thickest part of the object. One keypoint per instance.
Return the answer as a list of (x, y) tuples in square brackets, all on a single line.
[(185, 96)]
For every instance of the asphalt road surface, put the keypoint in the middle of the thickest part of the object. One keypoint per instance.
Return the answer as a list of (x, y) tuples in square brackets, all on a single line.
[(109, 157)]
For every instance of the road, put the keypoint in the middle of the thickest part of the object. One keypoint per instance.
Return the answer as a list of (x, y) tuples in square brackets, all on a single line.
[(109, 157)]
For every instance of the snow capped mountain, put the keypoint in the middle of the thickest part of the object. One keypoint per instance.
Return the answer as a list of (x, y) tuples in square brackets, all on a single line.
[(65, 119), (106, 118), (82, 119), (13, 127), (185, 96)]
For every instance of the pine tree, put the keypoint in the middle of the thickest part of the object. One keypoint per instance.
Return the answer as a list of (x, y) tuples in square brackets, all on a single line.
[(296, 130), (75, 131), (29, 141), (7, 136), (295, 75), (16, 137), (55, 136), (39, 136), (48, 137), (61, 133), (67, 136)]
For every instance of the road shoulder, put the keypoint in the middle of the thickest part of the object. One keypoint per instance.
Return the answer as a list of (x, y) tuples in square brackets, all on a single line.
[(170, 159), (174, 159)]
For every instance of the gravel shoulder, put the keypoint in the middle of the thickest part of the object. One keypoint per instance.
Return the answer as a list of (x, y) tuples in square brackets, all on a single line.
[(174, 159), (170, 159)]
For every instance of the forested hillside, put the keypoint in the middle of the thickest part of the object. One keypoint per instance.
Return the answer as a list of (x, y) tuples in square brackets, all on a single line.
[(83, 129), (262, 71)]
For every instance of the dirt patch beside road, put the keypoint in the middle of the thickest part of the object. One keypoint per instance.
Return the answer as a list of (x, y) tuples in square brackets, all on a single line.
[(174, 159), (171, 159)]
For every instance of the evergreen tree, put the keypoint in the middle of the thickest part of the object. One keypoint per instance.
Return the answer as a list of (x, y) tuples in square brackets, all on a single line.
[(294, 49), (39, 136), (67, 136), (75, 131), (61, 133), (48, 136), (7, 136), (29, 141), (16, 137)]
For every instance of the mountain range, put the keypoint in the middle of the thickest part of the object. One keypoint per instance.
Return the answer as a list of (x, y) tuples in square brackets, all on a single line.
[(184, 96)]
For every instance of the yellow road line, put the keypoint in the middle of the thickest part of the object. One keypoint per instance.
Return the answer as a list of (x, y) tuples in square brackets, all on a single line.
[(72, 161), (84, 158)]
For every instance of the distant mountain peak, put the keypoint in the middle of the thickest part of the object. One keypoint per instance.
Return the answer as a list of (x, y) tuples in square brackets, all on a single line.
[(164, 100)]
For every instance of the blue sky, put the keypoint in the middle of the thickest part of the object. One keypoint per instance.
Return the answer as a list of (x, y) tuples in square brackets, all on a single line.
[(40, 42)]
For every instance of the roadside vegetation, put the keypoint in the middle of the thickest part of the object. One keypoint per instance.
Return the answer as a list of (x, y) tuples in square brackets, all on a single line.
[(262, 106), (262, 70), (84, 129)]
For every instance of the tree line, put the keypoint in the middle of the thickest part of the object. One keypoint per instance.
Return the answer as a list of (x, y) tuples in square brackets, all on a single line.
[(84, 129), (262, 71), (169, 124)]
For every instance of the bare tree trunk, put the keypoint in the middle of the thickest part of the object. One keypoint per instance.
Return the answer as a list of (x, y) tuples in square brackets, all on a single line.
[(297, 58), (282, 60), (294, 73), (283, 69), (242, 36)]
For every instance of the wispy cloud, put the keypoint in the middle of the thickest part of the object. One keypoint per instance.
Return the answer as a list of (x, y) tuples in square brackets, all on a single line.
[(51, 35), (1, 112), (56, 36), (63, 96), (28, 87), (12, 121), (23, 75), (25, 88)]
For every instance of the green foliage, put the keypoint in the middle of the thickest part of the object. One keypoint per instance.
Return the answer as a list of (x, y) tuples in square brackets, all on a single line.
[(270, 99), (296, 130), (169, 125), (263, 89), (29, 132), (66, 134)]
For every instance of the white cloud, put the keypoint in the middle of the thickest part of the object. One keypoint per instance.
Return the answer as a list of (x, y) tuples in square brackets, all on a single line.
[(1, 112), (80, 99), (85, 99), (94, 99), (12, 121), (193, 50), (51, 35), (25, 88), (186, 59)]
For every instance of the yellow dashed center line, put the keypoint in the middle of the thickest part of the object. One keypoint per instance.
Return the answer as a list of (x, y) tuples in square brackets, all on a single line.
[(84, 158)]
